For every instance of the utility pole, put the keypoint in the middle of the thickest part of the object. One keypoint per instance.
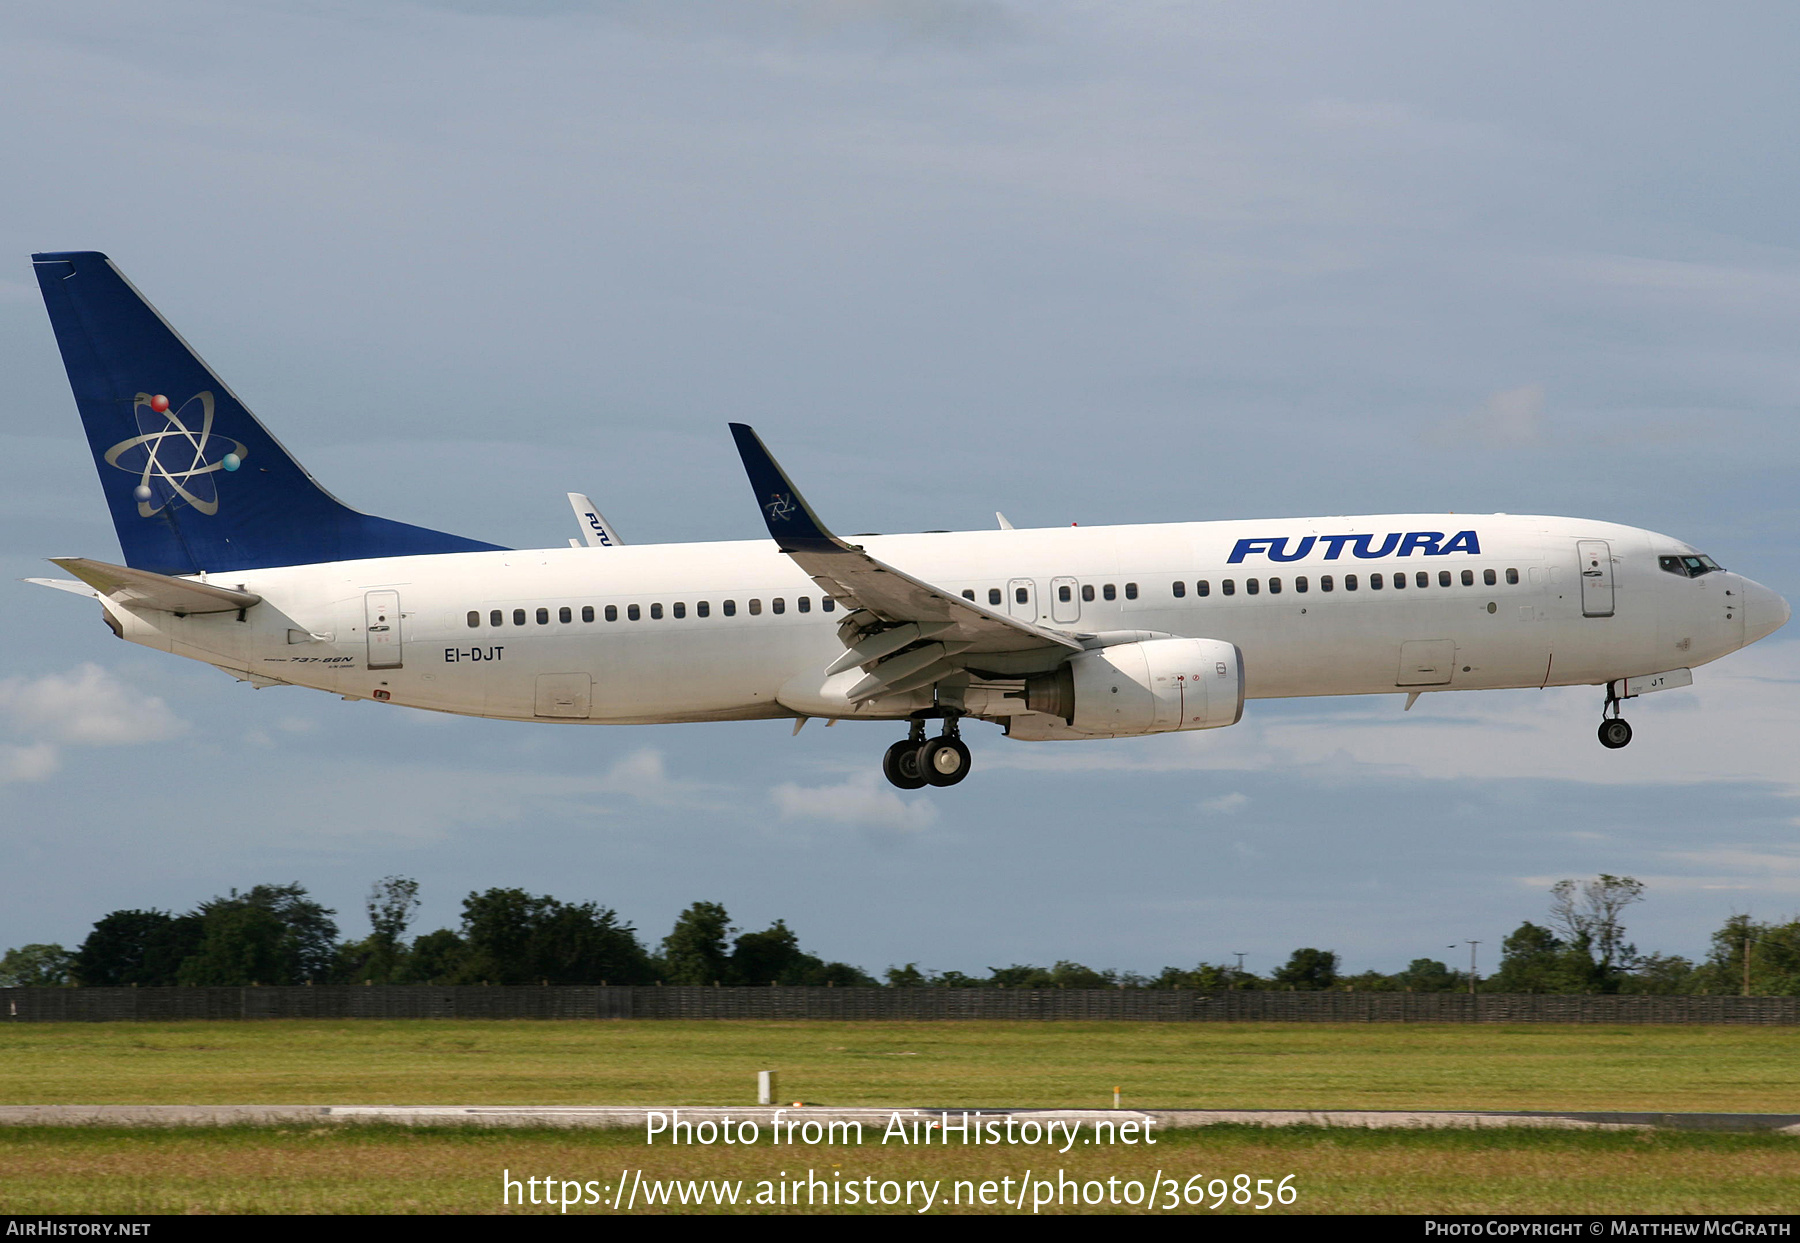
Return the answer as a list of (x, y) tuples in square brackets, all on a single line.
[(1472, 945), (1240, 967)]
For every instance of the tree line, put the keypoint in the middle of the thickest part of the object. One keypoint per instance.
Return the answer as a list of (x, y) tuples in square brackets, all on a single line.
[(277, 934)]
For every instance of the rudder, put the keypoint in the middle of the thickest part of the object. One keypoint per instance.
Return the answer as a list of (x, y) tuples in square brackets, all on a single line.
[(194, 482)]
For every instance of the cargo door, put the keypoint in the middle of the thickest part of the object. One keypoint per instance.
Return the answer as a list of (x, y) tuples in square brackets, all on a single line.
[(1596, 577), (381, 622), (1426, 662), (564, 695)]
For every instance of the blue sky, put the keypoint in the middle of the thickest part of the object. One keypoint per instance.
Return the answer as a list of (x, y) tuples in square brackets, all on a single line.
[(1076, 262)]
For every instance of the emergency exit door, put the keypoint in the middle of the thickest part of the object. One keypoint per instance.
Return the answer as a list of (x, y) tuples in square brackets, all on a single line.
[(1596, 577), (381, 622), (1021, 599)]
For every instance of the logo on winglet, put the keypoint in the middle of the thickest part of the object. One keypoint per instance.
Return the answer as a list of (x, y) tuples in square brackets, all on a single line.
[(175, 454), (780, 508)]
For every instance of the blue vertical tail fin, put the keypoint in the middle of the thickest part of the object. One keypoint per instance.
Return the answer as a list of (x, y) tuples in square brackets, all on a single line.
[(194, 482)]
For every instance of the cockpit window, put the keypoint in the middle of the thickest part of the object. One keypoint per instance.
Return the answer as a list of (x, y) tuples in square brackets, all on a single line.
[(1688, 567)]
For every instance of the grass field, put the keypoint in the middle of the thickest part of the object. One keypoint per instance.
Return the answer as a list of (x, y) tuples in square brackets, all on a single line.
[(385, 1169), (1196, 1065)]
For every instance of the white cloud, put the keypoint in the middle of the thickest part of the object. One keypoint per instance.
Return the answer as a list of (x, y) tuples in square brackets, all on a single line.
[(86, 706), (1507, 420), (33, 763), (644, 775), (860, 801), (1225, 804)]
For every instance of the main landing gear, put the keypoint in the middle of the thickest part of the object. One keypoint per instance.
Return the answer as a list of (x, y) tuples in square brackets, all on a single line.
[(915, 762), (1615, 731)]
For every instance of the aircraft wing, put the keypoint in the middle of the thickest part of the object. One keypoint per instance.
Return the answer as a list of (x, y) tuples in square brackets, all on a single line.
[(913, 609), (595, 529), (145, 590)]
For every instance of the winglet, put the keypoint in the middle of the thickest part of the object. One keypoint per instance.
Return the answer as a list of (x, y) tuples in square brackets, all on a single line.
[(791, 521)]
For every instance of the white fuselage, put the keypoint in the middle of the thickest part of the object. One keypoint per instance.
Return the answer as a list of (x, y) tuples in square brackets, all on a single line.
[(484, 634)]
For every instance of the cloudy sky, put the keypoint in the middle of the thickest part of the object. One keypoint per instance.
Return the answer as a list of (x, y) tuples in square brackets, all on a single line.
[(1074, 261)]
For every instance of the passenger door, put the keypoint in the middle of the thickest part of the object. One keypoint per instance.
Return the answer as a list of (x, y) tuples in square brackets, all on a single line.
[(1065, 600), (381, 623), (1596, 577)]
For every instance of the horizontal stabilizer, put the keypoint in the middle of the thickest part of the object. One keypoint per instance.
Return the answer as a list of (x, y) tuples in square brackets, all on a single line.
[(142, 589), (65, 584)]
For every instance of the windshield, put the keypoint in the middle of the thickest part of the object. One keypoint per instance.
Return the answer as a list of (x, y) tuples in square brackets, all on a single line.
[(1689, 567)]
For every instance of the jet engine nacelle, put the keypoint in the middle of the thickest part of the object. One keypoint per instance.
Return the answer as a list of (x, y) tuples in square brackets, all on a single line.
[(1152, 687)]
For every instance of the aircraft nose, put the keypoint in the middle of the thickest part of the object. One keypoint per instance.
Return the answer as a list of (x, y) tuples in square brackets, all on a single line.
[(1765, 611)]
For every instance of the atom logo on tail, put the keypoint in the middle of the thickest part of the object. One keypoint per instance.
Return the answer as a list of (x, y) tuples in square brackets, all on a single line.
[(176, 454)]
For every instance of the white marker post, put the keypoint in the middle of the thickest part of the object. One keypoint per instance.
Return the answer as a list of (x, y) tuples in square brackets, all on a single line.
[(765, 1087)]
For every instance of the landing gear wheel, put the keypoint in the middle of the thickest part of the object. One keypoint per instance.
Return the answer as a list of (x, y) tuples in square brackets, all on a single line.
[(944, 761), (901, 765), (1614, 733)]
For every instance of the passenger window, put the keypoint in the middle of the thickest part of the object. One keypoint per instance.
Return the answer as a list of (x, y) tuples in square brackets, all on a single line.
[(804, 604), (679, 608), (1087, 593), (587, 612), (755, 607), (1131, 591), (777, 605), (1021, 594), (1512, 578), (827, 604), (1252, 586), (1228, 587), (1300, 584), (1325, 583), (730, 608), (496, 618), (1423, 579), (1349, 582), (1468, 578), (1203, 588), (518, 617), (1443, 578), (1487, 576), (702, 609), (632, 613), (656, 612), (565, 614), (1179, 588), (474, 620), (612, 612), (1374, 582), (1274, 586), (968, 594), (1066, 594), (993, 595), (1400, 580), (1110, 592)]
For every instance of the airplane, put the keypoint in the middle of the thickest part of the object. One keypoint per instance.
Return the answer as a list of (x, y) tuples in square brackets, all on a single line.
[(234, 555)]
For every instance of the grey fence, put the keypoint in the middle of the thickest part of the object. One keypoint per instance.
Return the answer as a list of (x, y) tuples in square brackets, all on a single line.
[(51, 1005)]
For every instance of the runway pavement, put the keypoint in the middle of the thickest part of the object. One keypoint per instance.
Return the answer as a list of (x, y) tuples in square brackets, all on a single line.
[(635, 1117)]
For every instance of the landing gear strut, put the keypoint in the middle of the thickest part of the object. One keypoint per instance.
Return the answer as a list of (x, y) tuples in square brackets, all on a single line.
[(1615, 731), (914, 762)]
